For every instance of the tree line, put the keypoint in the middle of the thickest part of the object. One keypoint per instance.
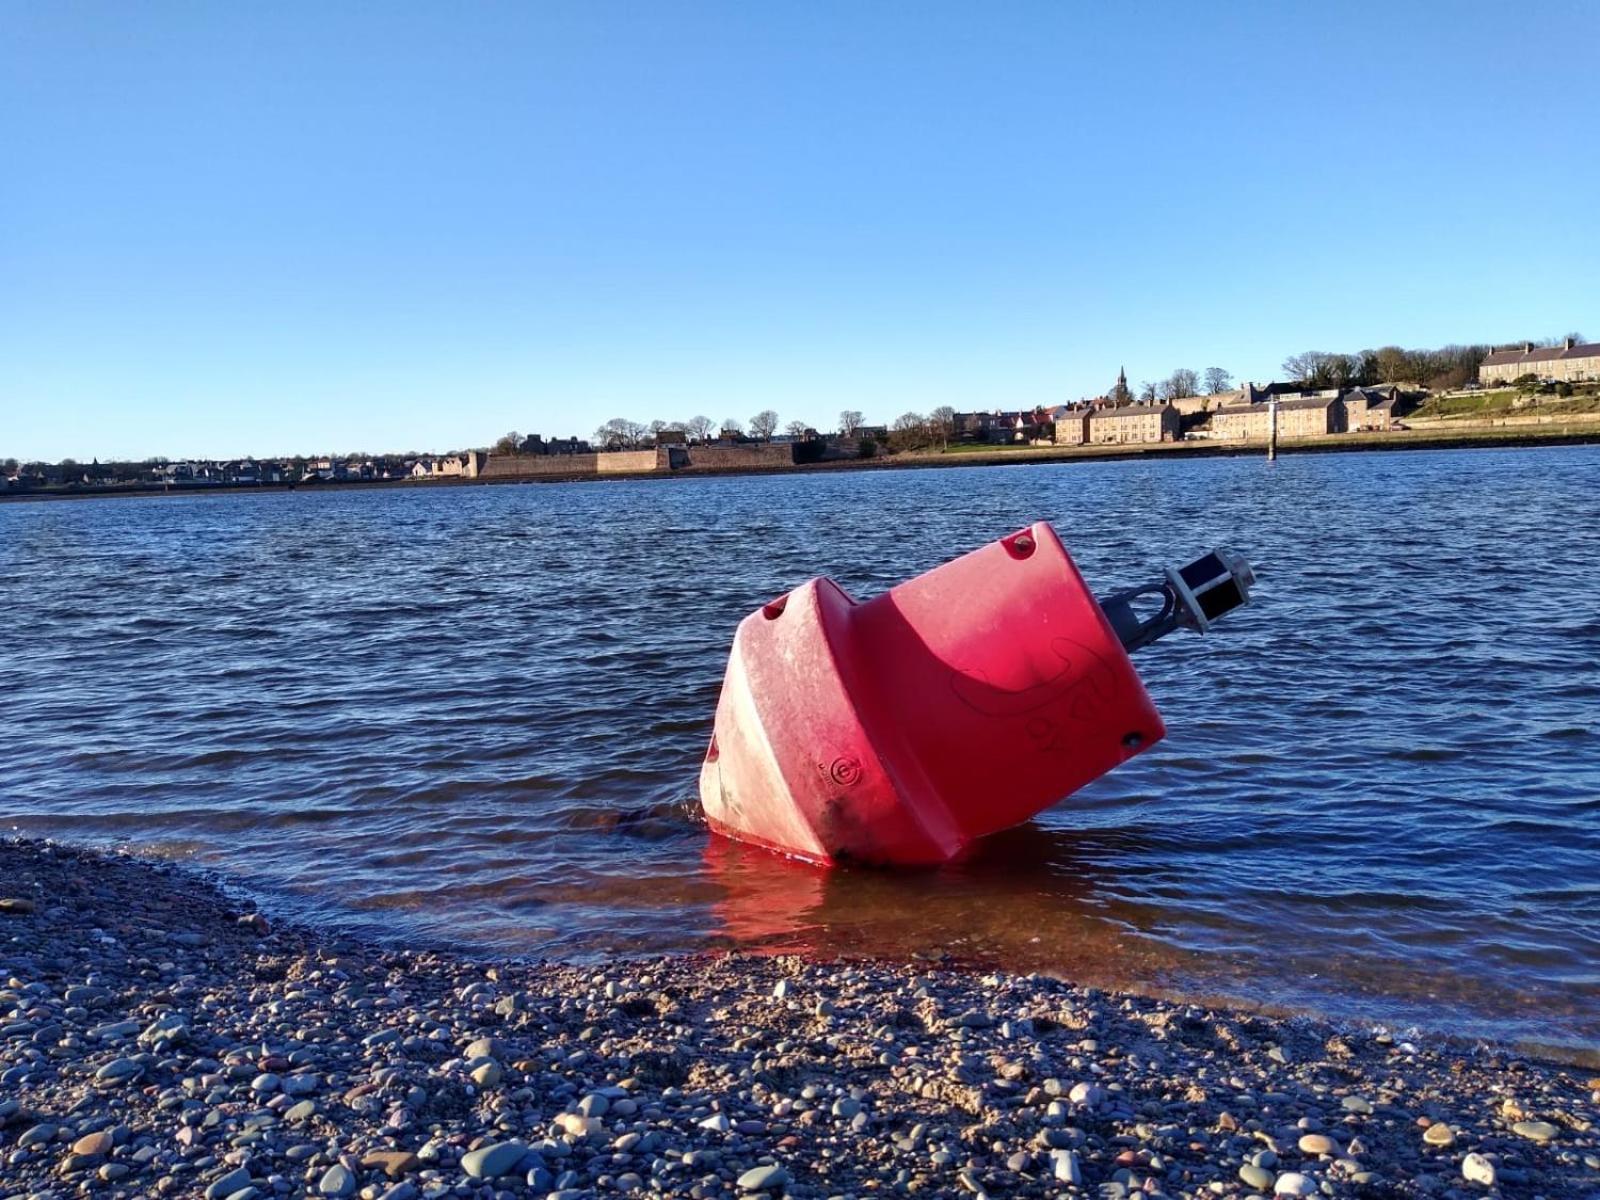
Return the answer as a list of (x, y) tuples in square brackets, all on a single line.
[(1441, 369), (620, 433), (1180, 385)]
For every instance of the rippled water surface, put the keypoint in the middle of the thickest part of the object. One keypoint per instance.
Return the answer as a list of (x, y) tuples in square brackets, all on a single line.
[(473, 718)]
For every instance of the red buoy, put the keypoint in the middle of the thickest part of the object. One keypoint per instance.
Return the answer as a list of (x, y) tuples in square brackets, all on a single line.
[(963, 701)]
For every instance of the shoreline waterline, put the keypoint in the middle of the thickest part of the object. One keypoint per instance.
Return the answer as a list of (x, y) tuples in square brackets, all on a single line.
[(141, 1003), (1354, 443), (324, 927)]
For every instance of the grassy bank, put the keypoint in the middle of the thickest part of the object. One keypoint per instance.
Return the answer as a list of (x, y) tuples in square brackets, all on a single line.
[(1504, 402)]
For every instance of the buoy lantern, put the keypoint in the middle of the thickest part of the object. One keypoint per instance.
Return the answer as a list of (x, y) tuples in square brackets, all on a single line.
[(899, 729)]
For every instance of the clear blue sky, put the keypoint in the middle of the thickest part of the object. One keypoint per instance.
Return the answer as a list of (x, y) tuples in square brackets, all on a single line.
[(265, 228)]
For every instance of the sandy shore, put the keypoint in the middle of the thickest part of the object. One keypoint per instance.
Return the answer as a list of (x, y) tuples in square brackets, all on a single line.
[(157, 1041)]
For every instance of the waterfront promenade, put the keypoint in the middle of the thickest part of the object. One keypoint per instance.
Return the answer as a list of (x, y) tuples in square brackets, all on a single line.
[(160, 1039)]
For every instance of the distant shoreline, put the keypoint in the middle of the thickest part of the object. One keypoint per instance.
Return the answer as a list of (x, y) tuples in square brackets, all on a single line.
[(1466, 439)]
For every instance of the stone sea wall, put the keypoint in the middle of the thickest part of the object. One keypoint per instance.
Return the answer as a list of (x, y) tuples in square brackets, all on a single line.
[(636, 462), (734, 458), (566, 466)]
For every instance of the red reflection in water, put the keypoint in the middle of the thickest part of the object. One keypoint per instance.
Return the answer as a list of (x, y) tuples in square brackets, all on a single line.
[(1018, 900)]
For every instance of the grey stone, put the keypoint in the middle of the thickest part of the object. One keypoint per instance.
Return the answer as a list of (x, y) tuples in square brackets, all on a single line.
[(230, 1183), (1087, 1094), (491, 1162), (337, 1180), (1065, 1166), (37, 1136), (116, 1030), (1536, 1131), (119, 1070), (763, 1179)]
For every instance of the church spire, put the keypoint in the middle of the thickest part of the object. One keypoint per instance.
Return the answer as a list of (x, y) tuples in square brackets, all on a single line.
[(1120, 394)]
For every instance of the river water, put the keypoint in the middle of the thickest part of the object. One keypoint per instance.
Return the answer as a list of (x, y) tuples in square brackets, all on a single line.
[(472, 718)]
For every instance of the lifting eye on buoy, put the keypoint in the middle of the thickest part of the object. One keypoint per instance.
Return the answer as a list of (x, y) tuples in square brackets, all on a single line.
[(1191, 597)]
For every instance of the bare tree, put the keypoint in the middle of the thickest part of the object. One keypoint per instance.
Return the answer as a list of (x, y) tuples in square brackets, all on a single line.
[(942, 423), (1311, 369), (732, 427), (849, 422), (509, 444), (657, 426), (1393, 364), (1180, 384), (619, 433), (699, 428), (764, 424), (1147, 392), (909, 431), (797, 429), (1218, 381)]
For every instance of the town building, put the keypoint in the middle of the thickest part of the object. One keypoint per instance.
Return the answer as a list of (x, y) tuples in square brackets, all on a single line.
[(439, 466), (1359, 405), (1071, 425), (1302, 416), (1382, 414), (1129, 423), (534, 444), (999, 427), (1570, 362)]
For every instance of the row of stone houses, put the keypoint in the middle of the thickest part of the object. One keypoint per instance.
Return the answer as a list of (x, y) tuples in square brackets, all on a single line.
[(1246, 413), (1570, 362), (1113, 425), (1312, 414), (1301, 416)]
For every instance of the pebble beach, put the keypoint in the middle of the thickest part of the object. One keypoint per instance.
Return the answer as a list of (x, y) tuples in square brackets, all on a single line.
[(159, 1038)]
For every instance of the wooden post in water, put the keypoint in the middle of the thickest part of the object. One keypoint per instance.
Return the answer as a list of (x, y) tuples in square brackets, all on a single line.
[(1272, 428)]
